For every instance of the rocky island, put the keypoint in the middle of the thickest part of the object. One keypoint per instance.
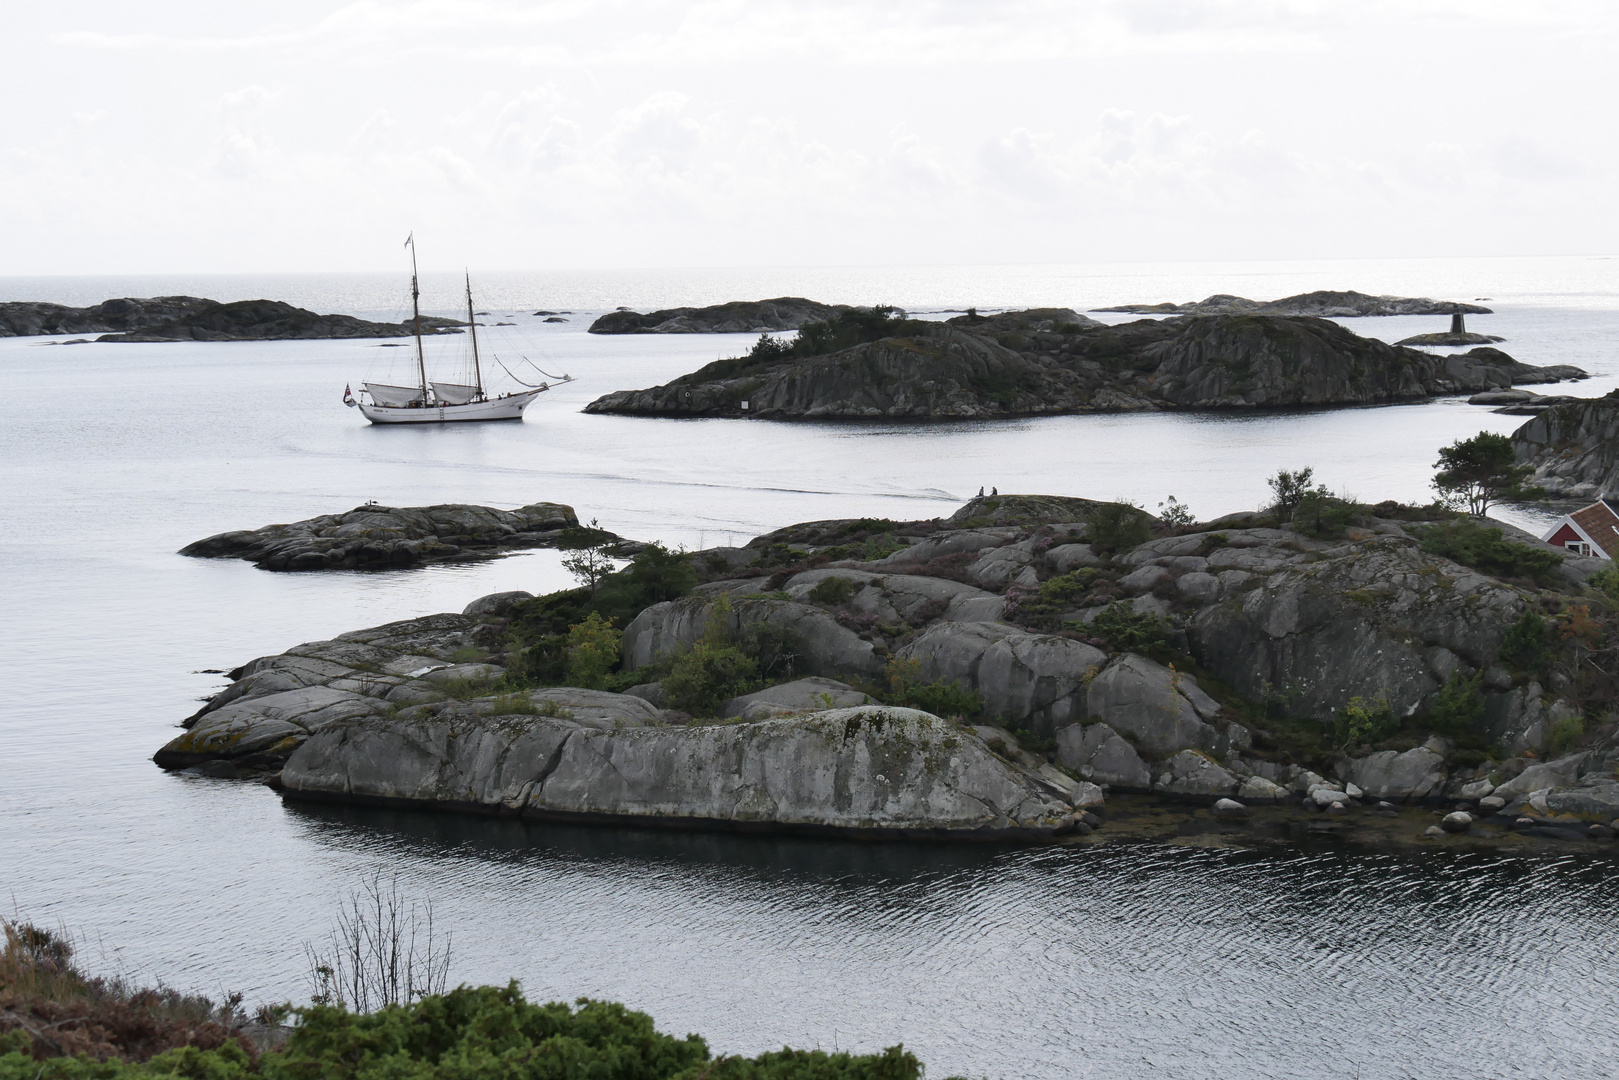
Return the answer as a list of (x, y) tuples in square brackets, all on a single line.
[(1003, 673), (1325, 304), (736, 317), (865, 364), (373, 537), (190, 318)]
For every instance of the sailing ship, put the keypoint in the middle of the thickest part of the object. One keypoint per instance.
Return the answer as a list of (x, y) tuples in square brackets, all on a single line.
[(433, 402)]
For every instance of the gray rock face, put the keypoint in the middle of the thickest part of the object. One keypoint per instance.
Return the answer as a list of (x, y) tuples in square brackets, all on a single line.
[(380, 537), (1546, 774), (1161, 711), (1028, 680), (276, 702), (961, 370), (1257, 789), (1414, 774), (825, 647), (1595, 798), (870, 770), (736, 317), (1357, 623), (1192, 773), (813, 694), (1574, 448), (1100, 755)]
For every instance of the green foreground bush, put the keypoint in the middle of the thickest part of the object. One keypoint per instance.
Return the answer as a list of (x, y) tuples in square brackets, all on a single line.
[(472, 1033)]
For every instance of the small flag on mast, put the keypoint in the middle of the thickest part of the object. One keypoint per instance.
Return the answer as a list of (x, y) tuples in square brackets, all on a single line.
[(411, 239)]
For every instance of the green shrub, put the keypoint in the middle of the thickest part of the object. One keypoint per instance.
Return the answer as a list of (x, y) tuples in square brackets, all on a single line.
[(592, 652), (941, 698), (1061, 593), (1126, 630), (1565, 735), (1288, 488), (1459, 705), (1118, 526), (832, 590), (1176, 514), (1527, 642), (1361, 721), (471, 1033), (1483, 548), (1320, 513), (1605, 583), (776, 651)]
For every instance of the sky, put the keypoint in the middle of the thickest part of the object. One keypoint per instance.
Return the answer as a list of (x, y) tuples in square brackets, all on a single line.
[(297, 135)]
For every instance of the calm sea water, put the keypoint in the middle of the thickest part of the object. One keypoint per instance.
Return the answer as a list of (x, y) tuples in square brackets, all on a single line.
[(1111, 961)]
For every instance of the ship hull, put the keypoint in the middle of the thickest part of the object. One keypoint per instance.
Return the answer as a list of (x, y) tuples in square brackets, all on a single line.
[(509, 407)]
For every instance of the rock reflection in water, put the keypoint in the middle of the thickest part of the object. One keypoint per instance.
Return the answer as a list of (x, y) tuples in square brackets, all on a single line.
[(1102, 960)]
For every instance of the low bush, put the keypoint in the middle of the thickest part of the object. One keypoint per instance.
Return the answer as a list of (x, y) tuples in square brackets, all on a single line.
[(1605, 583), (592, 652), (1362, 721), (1527, 642), (941, 698), (832, 590), (470, 1033), (1040, 607), (1483, 548), (1459, 705), (1126, 630), (1565, 735), (1118, 526)]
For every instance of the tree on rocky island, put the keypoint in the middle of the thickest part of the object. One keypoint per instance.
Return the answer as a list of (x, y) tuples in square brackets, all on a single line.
[(590, 565), (1479, 472)]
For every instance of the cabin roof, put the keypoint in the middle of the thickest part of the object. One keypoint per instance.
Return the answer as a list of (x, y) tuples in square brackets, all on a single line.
[(1600, 523)]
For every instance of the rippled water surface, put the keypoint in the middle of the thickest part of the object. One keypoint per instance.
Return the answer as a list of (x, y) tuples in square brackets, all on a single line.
[(1116, 960)]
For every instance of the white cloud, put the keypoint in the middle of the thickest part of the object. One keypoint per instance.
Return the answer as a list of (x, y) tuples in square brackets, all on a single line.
[(723, 131)]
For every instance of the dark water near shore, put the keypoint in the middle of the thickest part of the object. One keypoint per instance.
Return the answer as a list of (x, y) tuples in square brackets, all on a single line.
[(1120, 960)]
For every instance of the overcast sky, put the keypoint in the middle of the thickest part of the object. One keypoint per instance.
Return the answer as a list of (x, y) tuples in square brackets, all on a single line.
[(199, 135)]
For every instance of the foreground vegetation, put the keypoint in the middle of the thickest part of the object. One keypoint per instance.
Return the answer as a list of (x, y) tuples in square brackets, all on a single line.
[(58, 1024)]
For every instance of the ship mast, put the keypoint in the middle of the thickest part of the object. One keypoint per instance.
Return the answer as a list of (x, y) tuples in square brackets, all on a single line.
[(472, 328), (416, 317)]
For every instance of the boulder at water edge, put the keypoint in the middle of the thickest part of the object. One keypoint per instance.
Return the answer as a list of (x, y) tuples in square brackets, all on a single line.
[(870, 770)]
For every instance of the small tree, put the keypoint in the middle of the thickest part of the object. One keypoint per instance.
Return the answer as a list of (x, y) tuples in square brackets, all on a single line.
[(1290, 488), (589, 565), (1118, 526), (592, 651), (1479, 472), (1176, 514)]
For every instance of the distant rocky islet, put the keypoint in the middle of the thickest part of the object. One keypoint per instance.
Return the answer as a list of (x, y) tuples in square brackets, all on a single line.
[(1055, 361), (191, 318)]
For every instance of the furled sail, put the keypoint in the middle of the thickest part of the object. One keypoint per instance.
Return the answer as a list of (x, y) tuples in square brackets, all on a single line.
[(396, 396), (454, 393)]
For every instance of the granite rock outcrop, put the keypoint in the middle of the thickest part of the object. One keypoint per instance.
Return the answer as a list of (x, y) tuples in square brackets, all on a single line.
[(373, 537), (970, 368)]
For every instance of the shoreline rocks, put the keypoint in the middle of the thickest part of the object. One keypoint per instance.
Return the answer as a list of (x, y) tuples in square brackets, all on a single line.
[(373, 537), (869, 771), (972, 368)]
